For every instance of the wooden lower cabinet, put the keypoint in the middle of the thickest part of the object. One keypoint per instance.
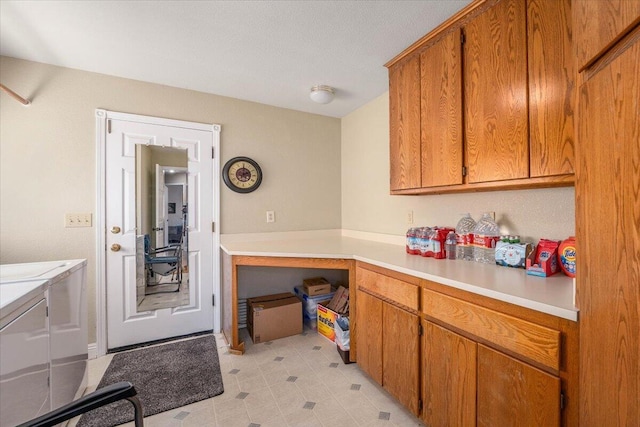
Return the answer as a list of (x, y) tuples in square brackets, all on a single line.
[(400, 355), (467, 384), (455, 359), (369, 321), (512, 393), (448, 378), (388, 348)]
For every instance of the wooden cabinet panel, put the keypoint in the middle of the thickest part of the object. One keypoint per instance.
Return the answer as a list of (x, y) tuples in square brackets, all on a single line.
[(511, 393), (495, 93), (530, 340), (600, 23), (552, 77), (389, 288), (608, 233), (369, 321), (400, 350), (448, 378), (441, 112), (404, 121)]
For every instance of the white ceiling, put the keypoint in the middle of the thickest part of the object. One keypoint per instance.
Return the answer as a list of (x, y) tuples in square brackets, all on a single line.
[(270, 52)]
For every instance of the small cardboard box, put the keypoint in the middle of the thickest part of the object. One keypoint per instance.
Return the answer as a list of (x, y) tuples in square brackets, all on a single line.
[(340, 301), (275, 316), (316, 286), (326, 321)]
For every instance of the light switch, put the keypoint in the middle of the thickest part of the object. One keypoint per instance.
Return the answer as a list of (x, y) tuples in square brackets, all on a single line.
[(72, 220)]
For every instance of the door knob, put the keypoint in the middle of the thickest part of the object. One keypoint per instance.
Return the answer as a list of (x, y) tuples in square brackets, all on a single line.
[(115, 229), (115, 247)]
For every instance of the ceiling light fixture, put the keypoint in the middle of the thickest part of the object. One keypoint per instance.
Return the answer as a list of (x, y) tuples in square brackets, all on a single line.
[(321, 94)]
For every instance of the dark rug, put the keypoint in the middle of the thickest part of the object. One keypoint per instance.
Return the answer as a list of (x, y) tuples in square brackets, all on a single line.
[(166, 376)]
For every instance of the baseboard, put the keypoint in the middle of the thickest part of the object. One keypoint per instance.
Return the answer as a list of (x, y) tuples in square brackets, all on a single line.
[(93, 350)]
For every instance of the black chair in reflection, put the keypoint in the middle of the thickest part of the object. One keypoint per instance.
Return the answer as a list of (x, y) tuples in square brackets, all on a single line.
[(104, 396), (164, 261)]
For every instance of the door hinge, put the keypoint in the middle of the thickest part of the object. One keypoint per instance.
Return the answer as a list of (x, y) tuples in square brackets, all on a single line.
[(46, 313), (108, 126), (213, 152), (213, 227), (213, 300), (419, 405), (464, 171), (420, 330), (562, 404), (462, 37)]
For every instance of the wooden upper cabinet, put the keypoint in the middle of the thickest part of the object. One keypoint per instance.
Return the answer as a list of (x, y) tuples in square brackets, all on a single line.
[(441, 112), (552, 93), (404, 120), (599, 24), (495, 93)]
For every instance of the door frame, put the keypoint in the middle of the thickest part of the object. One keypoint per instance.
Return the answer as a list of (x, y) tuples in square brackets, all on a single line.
[(102, 117)]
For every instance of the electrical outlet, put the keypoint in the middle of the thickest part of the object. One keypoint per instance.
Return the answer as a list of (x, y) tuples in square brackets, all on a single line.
[(271, 216), (72, 220), (409, 217)]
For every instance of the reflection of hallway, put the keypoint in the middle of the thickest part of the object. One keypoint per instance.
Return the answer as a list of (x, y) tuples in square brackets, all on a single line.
[(160, 296)]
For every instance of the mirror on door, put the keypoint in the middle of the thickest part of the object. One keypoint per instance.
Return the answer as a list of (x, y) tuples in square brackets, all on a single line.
[(162, 276)]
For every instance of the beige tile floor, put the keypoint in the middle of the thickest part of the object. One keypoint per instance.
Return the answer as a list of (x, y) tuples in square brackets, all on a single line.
[(295, 381)]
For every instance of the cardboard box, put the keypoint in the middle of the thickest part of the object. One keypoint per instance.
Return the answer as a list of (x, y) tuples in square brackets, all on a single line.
[(326, 322), (340, 301), (275, 316), (316, 286)]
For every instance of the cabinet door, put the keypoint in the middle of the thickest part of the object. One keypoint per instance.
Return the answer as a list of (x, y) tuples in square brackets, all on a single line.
[(551, 87), (495, 94), (608, 204), (400, 356), (441, 112), (404, 124), (448, 378), (512, 393), (369, 321), (600, 23)]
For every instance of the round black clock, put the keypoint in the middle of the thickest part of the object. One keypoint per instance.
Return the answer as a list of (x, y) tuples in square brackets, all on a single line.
[(242, 174)]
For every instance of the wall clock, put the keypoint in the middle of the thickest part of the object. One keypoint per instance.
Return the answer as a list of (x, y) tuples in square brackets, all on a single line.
[(242, 174)]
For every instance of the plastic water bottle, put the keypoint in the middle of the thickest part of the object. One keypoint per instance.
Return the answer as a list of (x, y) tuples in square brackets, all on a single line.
[(450, 245), (465, 226), (485, 235)]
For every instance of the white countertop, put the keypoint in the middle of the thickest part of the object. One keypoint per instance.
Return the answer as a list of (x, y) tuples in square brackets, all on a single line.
[(552, 295)]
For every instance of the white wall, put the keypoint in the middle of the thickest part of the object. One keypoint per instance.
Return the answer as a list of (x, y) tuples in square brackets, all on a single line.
[(48, 165), (367, 205)]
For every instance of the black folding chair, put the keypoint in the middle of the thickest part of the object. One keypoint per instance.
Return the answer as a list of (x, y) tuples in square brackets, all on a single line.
[(104, 396)]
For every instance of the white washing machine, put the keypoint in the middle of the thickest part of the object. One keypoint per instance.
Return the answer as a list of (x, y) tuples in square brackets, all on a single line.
[(68, 328), (24, 352)]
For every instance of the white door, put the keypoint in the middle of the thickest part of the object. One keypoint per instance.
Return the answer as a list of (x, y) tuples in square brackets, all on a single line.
[(124, 324)]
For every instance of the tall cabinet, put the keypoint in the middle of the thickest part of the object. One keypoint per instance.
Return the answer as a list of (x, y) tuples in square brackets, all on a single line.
[(608, 210)]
